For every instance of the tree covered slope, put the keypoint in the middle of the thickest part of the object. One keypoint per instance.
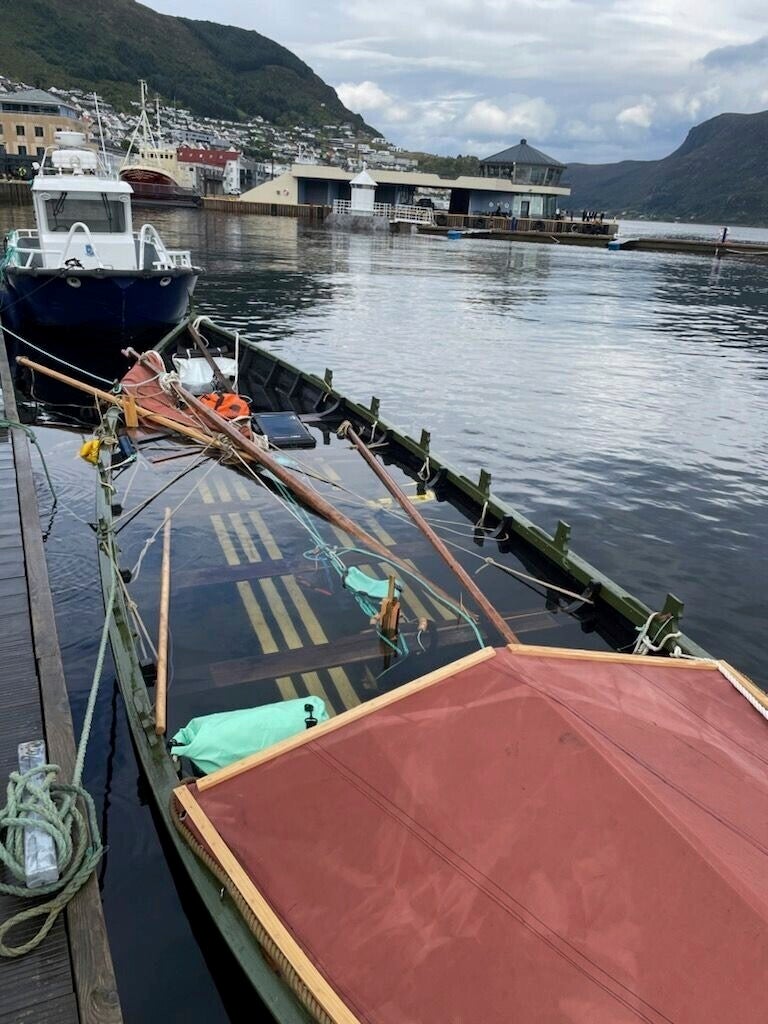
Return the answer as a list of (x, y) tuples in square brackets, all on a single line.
[(215, 70), (717, 175)]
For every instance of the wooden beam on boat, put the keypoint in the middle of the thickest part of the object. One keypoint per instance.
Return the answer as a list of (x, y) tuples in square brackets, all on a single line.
[(347, 651), (161, 684), (498, 622), (112, 399)]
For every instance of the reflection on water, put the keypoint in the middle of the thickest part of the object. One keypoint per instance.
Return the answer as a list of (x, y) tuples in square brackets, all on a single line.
[(622, 392)]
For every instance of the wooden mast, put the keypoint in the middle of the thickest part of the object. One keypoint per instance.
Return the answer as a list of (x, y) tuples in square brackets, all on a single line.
[(250, 451), (437, 543)]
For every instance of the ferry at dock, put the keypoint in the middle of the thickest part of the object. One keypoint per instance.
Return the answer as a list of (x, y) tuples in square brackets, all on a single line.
[(83, 276)]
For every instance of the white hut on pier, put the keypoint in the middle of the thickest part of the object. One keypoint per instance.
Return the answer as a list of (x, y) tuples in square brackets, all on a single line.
[(363, 192)]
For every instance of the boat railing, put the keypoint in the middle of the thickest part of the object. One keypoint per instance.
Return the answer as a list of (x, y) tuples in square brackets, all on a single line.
[(80, 228), (166, 258), (23, 248), (22, 255)]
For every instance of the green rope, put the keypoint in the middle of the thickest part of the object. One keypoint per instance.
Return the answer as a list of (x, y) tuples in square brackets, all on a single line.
[(54, 805), (15, 425)]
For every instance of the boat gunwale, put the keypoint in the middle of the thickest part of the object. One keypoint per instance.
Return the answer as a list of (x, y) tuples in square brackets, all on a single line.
[(157, 765), (101, 272)]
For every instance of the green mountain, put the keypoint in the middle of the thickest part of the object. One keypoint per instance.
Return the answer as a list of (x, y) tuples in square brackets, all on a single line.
[(717, 176), (215, 70)]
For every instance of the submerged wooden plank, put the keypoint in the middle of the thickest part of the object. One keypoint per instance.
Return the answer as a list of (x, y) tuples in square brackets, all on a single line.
[(348, 650)]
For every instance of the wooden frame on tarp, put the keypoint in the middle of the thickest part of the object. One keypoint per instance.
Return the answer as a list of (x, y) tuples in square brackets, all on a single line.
[(307, 973), (321, 990), (231, 870), (244, 765)]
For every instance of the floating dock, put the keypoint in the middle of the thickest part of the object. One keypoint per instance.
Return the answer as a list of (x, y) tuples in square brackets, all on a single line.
[(600, 239), (69, 978)]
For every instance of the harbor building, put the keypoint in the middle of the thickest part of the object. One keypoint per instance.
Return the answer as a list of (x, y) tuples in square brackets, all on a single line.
[(519, 182), (29, 119), (217, 171)]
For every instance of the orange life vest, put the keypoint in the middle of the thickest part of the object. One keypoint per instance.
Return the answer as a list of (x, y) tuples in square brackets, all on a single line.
[(227, 405)]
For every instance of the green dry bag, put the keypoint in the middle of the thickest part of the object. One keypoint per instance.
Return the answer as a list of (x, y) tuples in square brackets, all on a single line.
[(213, 741)]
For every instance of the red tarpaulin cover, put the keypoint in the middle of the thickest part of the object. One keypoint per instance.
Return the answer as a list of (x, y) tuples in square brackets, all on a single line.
[(535, 839), (142, 381)]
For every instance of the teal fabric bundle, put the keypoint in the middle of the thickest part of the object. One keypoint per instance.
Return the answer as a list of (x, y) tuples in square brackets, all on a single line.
[(213, 741)]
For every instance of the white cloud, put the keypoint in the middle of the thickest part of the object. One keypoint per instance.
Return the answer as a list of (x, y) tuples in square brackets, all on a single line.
[(527, 117), (638, 116), (594, 79), (365, 96), (369, 99)]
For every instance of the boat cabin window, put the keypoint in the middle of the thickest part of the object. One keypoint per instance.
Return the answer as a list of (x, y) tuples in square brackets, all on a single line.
[(100, 214)]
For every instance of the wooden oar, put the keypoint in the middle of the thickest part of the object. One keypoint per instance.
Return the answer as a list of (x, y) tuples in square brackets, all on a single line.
[(346, 430), (107, 396), (297, 486)]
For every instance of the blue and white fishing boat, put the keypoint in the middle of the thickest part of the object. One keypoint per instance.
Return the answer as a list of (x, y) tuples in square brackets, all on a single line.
[(83, 276)]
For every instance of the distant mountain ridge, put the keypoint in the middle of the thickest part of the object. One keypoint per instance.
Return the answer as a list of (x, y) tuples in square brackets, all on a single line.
[(717, 175), (215, 70)]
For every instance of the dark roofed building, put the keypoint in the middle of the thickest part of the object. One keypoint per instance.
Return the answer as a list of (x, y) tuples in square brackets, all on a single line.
[(35, 101), (523, 165)]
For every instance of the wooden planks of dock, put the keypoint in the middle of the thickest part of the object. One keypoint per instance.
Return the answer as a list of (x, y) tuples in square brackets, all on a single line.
[(69, 978)]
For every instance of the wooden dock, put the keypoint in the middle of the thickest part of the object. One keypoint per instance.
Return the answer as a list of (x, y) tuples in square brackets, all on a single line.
[(15, 193), (69, 978)]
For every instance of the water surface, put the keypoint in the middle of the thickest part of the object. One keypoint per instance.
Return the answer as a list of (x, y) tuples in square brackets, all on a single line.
[(622, 392)]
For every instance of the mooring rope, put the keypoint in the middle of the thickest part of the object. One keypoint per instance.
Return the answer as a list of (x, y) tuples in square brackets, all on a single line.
[(37, 799), (15, 425)]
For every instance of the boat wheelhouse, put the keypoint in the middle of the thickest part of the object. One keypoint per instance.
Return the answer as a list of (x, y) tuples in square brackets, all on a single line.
[(84, 269)]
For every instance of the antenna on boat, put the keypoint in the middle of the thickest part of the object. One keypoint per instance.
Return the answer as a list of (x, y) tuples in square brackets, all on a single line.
[(157, 115), (101, 129)]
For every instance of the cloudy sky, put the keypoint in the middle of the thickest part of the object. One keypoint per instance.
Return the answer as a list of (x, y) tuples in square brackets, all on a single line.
[(590, 80)]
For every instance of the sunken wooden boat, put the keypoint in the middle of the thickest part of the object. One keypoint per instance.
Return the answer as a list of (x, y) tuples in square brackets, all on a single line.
[(571, 826)]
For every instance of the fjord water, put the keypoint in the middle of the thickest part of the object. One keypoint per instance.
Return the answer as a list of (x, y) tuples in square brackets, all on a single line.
[(622, 392)]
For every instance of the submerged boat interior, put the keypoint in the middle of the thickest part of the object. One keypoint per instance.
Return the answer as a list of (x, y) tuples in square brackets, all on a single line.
[(298, 551), (263, 581)]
